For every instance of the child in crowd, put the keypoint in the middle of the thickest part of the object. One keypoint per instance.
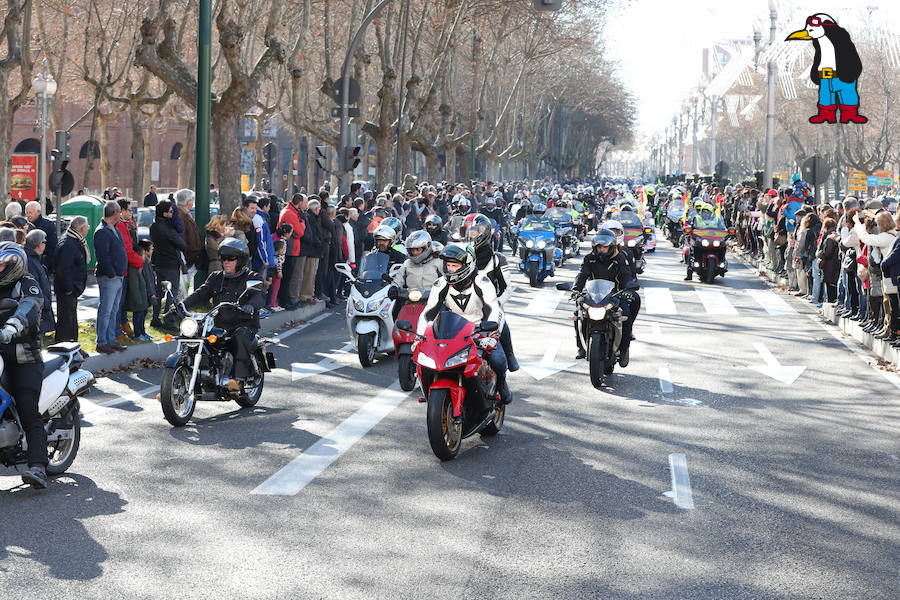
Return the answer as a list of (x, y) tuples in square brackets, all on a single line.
[(280, 249), (148, 278)]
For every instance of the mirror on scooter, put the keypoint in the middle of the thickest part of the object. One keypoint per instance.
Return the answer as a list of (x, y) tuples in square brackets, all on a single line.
[(394, 270), (403, 325), (565, 286), (487, 326), (344, 269), (254, 284)]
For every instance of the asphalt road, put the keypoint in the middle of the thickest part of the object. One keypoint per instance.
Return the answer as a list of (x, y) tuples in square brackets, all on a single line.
[(744, 453)]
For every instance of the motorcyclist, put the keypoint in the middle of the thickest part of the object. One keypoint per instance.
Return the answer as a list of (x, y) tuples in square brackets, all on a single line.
[(466, 292), (538, 215), (619, 231), (230, 285), (496, 213), (421, 269), (397, 225), (524, 210), (20, 348), (607, 261), (705, 218), (434, 225), (463, 207), (385, 239), (492, 265)]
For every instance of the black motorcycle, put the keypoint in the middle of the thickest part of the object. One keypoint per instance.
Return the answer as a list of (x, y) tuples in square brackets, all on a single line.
[(202, 364), (599, 319)]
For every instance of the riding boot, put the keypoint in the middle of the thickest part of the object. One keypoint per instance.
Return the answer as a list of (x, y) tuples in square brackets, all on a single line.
[(503, 390), (690, 275), (581, 352)]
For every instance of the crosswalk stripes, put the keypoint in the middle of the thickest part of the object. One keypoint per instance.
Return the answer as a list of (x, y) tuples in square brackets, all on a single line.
[(661, 301), (715, 302), (771, 302)]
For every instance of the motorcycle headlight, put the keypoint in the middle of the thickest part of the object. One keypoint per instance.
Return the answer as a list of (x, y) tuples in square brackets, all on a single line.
[(373, 306), (632, 243), (717, 243), (541, 245), (415, 296), (359, 305), (426, 361), (596, 313), (529, 244), (704, 243), (189, 327), (457, 359)]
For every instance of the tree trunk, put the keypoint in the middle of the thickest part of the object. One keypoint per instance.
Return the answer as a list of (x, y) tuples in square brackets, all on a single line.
[(137, 151), (383, 160), (148, 154), (186, 160), (227, 158), (103, 144), (432, 164), (6, 127), (450, 162), (89, 163)]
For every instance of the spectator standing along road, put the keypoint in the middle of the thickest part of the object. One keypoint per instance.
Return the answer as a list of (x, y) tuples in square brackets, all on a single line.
[(151, 198), (185, 200), (111, 267), (168, 247), (35, 245), (70, 278), (36, 218)]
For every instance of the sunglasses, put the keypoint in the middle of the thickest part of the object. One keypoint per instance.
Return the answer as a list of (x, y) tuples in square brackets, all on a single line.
[(229, 258)]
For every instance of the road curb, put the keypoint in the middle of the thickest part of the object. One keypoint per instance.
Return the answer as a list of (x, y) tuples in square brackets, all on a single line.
[(158, 351), (848, 327)]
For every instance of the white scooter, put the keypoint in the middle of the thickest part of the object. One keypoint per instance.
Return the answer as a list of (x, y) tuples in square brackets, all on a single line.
[(63, 382), (369, 310)]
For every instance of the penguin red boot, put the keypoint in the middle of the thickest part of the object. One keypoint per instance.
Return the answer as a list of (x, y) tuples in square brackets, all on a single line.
[(849, 114), (827, 114)]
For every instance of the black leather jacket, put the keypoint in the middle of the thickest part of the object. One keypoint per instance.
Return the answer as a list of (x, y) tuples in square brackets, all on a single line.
[(615, 269), (26, 345), (218, 288)]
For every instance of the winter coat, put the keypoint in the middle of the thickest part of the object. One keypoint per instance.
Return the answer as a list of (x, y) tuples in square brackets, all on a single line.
[(829, 261), (884, 242), (310, 243), (191, 237), (48, 227), (415, 276), (291, 215), (39, 273), (136, 297), (167, 244), (133, 259), (890, 266), (265, 250), (211, 245), (109, 248), (349, 235), (70, 274)]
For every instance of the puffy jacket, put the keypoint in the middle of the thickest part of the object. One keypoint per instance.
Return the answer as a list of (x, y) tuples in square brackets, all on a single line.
[(414, 276), (131, 256), (291, 216)]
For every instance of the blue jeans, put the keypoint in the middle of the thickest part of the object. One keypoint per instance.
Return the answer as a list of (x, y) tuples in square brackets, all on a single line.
[(137, 320), (107, 313), (497, 359), (818, 289), (835, 91)]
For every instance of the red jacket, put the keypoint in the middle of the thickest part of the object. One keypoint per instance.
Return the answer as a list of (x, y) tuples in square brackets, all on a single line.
[(291, 216), (133, 259)]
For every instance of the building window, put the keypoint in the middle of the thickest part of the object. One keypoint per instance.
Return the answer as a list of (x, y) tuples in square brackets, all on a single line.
[(176, 151), (93, 146), (28, 146)]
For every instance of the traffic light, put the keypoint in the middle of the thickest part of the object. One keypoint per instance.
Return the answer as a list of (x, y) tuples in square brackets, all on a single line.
[(759, 179), (351, 157), (323, 156), (269, 154), (62, 145)]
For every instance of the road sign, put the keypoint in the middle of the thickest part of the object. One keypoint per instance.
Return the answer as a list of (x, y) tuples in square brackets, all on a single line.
[(64, 180), (337, 90), (872, 181), (352, 111), (815, 170)]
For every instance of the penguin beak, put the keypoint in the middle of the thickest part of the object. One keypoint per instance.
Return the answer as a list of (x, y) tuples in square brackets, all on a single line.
[(799, 35)]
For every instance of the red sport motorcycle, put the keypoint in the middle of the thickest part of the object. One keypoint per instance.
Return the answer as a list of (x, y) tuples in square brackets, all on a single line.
[(459, 385), (413, 305)]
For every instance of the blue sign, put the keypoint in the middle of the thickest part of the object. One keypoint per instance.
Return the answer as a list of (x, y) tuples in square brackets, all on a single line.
[(873, 181)]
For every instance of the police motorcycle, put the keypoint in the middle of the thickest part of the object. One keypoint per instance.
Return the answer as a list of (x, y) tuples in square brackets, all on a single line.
[(64, 381), (369, 308), (202, 364), (706, 248), (673, 220), (636, 237), (598, 323), (537, 251)]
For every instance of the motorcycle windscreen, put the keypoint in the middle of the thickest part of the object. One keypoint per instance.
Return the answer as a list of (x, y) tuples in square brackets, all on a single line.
[(675, 209), (448, 325), (373, 266), (598, 289), (630, 219), (559, 217)]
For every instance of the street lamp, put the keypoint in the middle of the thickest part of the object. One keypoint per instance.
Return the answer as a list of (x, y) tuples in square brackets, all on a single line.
[(45, 87)]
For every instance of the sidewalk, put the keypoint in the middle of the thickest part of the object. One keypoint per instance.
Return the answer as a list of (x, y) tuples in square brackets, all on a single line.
[(879, 348), (158, 351)]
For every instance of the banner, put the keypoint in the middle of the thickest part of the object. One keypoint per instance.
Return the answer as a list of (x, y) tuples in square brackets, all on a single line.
[(23, 177)]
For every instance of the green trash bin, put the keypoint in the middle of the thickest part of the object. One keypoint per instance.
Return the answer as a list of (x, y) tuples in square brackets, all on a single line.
[(89, 207)]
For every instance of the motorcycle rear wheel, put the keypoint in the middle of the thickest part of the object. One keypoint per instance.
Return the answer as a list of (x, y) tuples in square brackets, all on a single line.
[(494, 427), (250, 396), (177, 401), (407, 371), (444, 434), (597, 360), (365, 347), (62, 453)]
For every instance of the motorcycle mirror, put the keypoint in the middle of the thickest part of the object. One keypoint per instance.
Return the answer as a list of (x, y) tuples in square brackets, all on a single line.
[(565, 286), (394, 270), (488, 326), (254, 284), (403, 325)]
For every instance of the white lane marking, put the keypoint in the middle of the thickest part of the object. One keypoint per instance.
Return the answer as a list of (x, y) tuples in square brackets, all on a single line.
[(773, 368), (544, 303), (548, 365), (124, 398), (329, 363), (299, 328), (659, 301), (891, 377), (715, 303), (681, 482), (771, 302), (665, 380), (685, 401), (655, 330), (294, 476)]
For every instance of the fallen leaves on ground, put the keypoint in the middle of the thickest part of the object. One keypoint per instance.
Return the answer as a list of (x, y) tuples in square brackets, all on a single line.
[(138, 363)]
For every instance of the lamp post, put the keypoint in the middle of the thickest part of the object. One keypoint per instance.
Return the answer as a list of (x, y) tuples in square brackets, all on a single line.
[(771, 72), (45, 87)]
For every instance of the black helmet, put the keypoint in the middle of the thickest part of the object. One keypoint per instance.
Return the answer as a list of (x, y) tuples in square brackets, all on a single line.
[(478, 229), (463, 254), (13, 256), (604, 237), (233, 247)]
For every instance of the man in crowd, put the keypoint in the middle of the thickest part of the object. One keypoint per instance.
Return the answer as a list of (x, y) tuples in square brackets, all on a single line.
[(34, 215), (70, 278), (151, 199), (109, 248)]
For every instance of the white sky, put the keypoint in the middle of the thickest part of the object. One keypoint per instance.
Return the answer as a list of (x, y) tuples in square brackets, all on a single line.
[(659, 43)]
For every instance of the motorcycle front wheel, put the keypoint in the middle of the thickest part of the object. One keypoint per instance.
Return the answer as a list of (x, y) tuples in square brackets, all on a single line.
[(532, 271), (407, 372), (597, 360), (62, 453), (365, 347), (252, 392), (178, 402), (444, 434), (708, 275)]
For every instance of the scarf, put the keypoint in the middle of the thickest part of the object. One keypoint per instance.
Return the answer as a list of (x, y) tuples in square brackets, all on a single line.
[(74, 234)]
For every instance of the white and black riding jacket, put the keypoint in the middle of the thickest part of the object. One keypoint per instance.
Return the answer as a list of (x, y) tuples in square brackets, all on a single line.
[(478, 302)]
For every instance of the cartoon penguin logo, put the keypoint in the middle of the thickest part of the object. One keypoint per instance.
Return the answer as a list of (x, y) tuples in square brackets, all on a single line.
[(836, 68)]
